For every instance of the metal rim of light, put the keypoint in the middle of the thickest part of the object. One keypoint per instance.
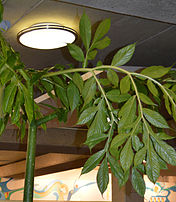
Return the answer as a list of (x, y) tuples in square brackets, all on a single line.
[(46, 36)]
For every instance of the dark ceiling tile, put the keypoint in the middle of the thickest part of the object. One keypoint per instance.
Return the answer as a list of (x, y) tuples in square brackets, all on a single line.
[(160, 10), (159, 50)]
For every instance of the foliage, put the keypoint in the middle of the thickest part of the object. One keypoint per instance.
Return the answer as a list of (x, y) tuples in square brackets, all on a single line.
[(121, 111)]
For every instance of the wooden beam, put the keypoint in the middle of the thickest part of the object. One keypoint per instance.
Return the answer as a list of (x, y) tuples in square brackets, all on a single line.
[(41, 162), (118, 194), (171, 171), (46, 96), (78, 163), (54, 140)]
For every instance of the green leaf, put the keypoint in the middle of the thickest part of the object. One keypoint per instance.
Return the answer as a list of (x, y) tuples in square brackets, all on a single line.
[(28, 102), (119, 140), (162, 163), (3, 123), (155, 71), (23, 130), (97, 126), (152, 88), (99, 63), (2, 126), (135, 124), (85, 30), (78, 81), (61, 93), (5, 75), (145, 135), (113, 77), (87, 115), (39, 115), (140, 156), (114, 96), (115, 152), (141, 168), (138, 182), (152, 164), (127, 113), (11, 59), (126, 156), (155, 118), (167, 104), (76, 52), (140, 87), (9, 96), (125, 85), (174, 112), (137, 144), (123, 55), (174, 88), (89, 90), (125, 178), (58, 81), (92, 54), (1, 11), (102, 43), (36, 76), (101, 30), (165, 151), (164, 136), (95, 139), (145, 99), (103, 176), (93, 161), (172, 94), (16, 113), (73, 95), (47, 85), (62, 115), (115, 168), (104, 82), (1, 100)]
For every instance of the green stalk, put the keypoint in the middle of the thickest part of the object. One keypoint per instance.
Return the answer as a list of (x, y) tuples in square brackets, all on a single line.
[(30, 163), (85, 70), (85, 60), (30, 156), (139, 101), (47, 118), (104, 95), (157, 83)]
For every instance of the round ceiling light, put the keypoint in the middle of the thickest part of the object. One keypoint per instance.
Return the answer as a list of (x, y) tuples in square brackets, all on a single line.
[(46, 36)]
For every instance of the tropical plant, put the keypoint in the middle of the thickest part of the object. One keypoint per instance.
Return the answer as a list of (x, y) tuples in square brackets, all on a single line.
[(120, 110)]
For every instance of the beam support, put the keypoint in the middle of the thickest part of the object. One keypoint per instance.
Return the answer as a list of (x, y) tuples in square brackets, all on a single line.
[(45, 164)]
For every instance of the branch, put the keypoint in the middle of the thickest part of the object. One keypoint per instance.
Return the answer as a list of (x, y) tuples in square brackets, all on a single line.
[(160, 85)]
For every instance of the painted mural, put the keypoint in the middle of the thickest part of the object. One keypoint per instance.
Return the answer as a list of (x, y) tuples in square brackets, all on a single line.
[(63, 186), (160, 192)]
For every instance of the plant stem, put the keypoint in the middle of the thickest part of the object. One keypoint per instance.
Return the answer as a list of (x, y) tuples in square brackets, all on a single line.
[(30, 163), (110, 109), (30, 156), (137, 95), (85, 70), (139, 101), (86, 58), (46, 119), (156, 82), (104, 95)]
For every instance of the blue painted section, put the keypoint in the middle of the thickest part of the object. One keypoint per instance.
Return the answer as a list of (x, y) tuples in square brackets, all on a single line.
[(5, 25)]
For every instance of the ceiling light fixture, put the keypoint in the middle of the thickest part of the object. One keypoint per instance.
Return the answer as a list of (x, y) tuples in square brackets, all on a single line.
[(46, 36)]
